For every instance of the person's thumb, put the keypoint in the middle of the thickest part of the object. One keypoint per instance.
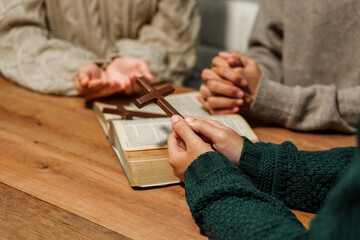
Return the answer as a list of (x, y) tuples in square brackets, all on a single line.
[(183, 130)]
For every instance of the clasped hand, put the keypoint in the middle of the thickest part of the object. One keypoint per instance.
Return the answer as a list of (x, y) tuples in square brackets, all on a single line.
[(230, 85), (93, 82), (194, 136)]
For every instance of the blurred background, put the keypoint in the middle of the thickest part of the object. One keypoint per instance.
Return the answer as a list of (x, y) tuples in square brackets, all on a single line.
[(225, 26)]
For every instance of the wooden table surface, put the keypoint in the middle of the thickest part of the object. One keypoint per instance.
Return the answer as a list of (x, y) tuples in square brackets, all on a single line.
[(60, 178)]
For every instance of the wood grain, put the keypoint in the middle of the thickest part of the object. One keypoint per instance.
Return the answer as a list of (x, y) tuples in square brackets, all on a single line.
[(23, 216), (54, 149), (305, 141)]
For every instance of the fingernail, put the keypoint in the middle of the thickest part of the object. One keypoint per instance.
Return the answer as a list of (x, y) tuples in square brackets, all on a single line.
[(189, 120), (243, 83), (239, 102), (83, 80), (240, 94), (175, 118), (237, 62), (224, 54), (235, 109)]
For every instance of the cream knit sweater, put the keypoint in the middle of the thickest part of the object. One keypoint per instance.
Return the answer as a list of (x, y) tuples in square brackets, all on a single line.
[(309, 55), (44, 42)]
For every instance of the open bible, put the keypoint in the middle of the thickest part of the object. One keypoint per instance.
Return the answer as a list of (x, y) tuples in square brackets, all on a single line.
[(141, 143)]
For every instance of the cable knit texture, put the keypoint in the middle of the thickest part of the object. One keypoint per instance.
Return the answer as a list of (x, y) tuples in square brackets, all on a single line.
[(252, 200), (44, 42), (308, 53)]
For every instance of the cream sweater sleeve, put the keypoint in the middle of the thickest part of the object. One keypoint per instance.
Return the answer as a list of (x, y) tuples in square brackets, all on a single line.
[(31, 56), (309, 108), (168, 43)]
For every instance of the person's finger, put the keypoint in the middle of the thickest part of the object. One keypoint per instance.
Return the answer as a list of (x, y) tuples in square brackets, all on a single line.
[(78, 86), (225, 55), (111, 82), (82, 75), (235, 76), (126, 81), (203, 102), (145, 70), (135, 86), (184, 131), (219, 62), (89, 90), (132, 89), (93, 71), (96, 83), (207, 74), (205, 129), (106, 80), (129, 90), (224, 102), (235, 62), (238, 55), (135, 75), (90, 70), (181, 143), (119, 79), (213, 122), (205, 91), (243, 83), (84, 80), (224, 88), (96, 88), (173, 146)]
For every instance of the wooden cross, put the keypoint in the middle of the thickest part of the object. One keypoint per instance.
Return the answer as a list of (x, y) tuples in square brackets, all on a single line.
[(127, 114), (155, 96)]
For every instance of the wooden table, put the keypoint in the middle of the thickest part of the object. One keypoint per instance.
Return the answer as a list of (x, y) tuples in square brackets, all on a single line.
[(60, 179)]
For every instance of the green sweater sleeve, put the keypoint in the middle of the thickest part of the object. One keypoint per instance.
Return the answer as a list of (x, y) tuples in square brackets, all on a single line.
[(226, 204), (301, 179), (339, 218)]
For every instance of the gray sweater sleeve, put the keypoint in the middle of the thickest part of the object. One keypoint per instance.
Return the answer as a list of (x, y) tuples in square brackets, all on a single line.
[(316, 107), (168, 42), (30, 56), (308, 108)]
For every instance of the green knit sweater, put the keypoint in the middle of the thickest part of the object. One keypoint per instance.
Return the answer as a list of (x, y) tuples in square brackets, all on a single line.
[(252, 201)]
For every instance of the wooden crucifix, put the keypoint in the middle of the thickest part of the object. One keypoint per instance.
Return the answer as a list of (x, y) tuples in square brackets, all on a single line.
[(127, 114), (155, 96)]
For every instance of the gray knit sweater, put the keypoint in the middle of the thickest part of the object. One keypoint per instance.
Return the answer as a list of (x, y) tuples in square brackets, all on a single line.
[(44, 42), (309, 55)]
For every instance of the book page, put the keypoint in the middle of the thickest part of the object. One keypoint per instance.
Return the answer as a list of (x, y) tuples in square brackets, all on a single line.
[(144, 134), (185, 104), (237, 123), (141, 134)]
